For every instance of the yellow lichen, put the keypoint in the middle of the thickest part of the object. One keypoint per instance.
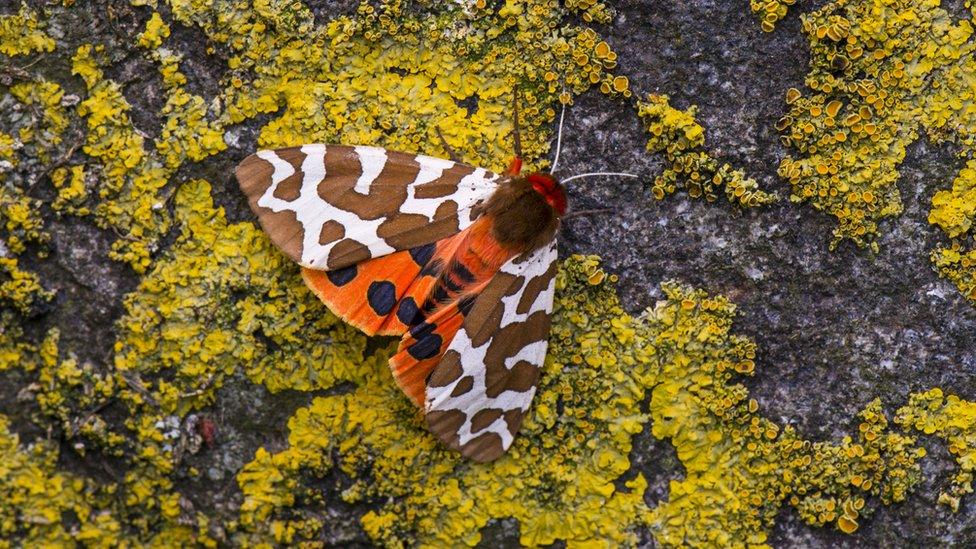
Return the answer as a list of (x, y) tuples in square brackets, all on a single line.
[(958, 264), (64, 387), (770, 11), (19, 289), (20, 294), (37, 498), (563, 479), (391, 77), (20, 218), (72, 190), (559, 475), (131, 177), (679, 136), (187, 134), (50, 122), (20, 34), (953, 420), (156, 31), (955, 210), (882, 71), (33, 136), (221, 300), (8, 148)]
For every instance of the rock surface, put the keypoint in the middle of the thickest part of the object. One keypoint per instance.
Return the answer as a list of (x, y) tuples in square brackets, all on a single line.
[(835, 329)]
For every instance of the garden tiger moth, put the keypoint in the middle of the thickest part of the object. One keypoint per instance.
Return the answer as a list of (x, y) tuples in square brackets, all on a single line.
[(458, 261)]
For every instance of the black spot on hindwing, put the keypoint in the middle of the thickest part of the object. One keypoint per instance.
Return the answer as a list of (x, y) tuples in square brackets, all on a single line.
[(421, 254), (426, 346), (381, 296), (341, 277), (421, 330), (408, 312)]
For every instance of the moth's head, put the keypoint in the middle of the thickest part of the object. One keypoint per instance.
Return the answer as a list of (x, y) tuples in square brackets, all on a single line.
[(550, 189)]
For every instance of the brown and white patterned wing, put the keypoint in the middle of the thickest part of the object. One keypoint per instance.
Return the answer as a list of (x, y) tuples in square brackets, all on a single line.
[(332, 206), (481, 389)]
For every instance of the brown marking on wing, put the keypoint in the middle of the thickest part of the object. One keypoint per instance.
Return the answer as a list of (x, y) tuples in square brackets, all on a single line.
[(411, 230), (485, 316), (331, 231), (483, 448), (533, 289), (448, 211), (483, 326), (446, 184), (447, 372), (523, 375), (285, 230), (347, 252), (419, 232), (432, 190), (463, 386), (445, 425), (513, 418), (484, 418), (399, 224), (343, 168), (254, 178), (291, 187)]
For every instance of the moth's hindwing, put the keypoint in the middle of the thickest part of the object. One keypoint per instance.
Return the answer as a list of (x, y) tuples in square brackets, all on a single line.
[(422, 294), (331, 206), (483, 386), (380, 296)]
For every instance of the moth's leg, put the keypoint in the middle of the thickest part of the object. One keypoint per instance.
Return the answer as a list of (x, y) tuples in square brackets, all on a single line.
[(450, 151)]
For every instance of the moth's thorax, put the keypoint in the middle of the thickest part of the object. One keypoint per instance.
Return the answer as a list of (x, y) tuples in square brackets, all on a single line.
[(526, 211)]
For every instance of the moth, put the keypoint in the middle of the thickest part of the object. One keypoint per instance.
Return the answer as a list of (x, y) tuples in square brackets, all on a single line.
[(458, 261)]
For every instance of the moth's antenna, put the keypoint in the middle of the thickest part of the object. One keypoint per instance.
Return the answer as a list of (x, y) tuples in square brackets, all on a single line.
[(597, 174), (559, 140), (518, 135)]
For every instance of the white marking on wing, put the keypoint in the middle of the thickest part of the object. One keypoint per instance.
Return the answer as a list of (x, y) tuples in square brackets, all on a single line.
[(282, 170), (372, 160), (469, 190), (313, 213)]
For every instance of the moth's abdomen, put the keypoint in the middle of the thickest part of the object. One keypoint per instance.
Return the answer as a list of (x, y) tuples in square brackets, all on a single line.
[(478, 258)]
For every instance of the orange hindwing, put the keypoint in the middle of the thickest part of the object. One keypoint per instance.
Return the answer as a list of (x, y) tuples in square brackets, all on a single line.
[(422, 294)]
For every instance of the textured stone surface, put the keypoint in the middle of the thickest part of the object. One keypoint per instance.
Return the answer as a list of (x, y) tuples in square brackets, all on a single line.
[(835, 329)]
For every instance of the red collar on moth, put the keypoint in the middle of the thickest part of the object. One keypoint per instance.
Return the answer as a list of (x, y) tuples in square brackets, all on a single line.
[(552, 191)]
